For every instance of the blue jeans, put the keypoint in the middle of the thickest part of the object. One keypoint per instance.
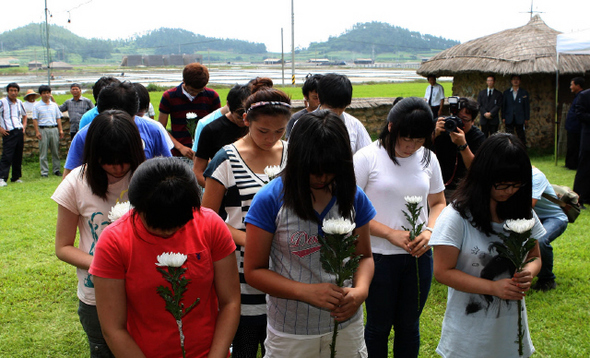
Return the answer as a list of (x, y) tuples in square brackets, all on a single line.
[(89, 319), (393, 302), (555, 228)]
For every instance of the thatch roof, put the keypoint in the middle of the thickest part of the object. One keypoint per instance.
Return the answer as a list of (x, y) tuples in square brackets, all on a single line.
[(524, 50)]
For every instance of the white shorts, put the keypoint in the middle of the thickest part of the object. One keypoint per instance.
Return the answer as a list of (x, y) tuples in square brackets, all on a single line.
[(350, 343)]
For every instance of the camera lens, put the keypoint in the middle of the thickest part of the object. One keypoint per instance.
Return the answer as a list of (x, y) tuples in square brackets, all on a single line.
[(450, 125)]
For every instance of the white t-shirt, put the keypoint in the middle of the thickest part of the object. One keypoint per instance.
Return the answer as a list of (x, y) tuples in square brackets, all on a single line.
[(476, 325), (74, 194), (359, 137), (386, 184), (438, 94)]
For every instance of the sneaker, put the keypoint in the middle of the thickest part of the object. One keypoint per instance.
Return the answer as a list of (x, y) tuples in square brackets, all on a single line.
[(544, 285), (57, 173), (17, 181), (2, 183)]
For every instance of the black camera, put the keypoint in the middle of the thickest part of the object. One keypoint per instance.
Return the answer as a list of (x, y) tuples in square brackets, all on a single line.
[(453, 122)]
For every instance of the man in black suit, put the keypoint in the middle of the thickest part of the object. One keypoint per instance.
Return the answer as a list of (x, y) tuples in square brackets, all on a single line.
[(516, 109), (490, 103), (582, 181)]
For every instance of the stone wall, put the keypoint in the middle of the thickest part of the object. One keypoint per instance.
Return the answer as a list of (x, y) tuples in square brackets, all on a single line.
[(371, 111), (32, 143)]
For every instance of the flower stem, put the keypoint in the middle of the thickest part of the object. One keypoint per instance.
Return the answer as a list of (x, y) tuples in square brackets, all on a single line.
[(179, 323), (333, 345), (520, 332)]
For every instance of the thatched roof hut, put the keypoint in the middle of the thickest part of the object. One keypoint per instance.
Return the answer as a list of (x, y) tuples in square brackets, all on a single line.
[(528, 51), (521, 51)]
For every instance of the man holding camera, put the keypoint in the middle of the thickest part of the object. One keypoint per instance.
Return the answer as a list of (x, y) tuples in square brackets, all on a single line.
[(456, 140)]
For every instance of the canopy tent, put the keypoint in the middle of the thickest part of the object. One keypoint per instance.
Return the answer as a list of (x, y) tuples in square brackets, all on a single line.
[(575, 43)]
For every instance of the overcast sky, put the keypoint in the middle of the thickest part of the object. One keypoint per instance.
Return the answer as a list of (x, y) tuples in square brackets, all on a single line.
[(315, 20)]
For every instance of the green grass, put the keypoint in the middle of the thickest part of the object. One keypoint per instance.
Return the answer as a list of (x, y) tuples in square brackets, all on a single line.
[(38, 292)]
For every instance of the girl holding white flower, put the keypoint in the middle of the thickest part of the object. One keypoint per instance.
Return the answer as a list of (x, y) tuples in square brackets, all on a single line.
[(167, 227), (112, 152), (395, 170), (481, 319), (236, 173), (282, 255)]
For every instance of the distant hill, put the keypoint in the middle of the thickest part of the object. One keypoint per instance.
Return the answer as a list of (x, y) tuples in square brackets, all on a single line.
[(64, 43), (381, 37)]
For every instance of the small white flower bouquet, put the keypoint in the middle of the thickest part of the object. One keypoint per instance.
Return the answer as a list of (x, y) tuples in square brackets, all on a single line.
[(119, 210)]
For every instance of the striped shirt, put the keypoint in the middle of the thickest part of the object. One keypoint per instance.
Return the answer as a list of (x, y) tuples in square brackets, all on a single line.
[(46, 114), (175, 103), (11, 114), (229, 169)]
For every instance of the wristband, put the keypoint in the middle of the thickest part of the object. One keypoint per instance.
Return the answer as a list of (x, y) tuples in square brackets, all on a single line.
[(462, 147), (426, 228)]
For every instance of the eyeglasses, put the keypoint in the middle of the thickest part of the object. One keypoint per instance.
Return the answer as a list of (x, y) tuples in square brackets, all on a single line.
[(504, 186)]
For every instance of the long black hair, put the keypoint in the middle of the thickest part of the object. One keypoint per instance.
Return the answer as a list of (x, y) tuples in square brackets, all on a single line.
[(113, 138), (412, 118), (501, 158), (319, 144), (165, 191)]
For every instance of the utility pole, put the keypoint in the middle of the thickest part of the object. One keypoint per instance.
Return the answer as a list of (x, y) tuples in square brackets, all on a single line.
[(47, 39), (282, 59), (292, 44)]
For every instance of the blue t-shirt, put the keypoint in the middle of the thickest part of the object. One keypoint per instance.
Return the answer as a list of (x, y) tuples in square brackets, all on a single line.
[(153, 141), (545, 208), (88, 117)]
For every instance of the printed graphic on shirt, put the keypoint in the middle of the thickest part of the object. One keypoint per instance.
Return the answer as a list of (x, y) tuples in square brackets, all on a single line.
[(96, 227), (494, 267), (302, 244)]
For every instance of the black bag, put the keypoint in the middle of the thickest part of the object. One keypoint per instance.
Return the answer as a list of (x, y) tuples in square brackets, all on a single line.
[(567, 200)]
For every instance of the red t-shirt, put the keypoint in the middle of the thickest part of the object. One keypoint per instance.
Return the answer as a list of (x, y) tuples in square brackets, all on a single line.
[(126, 250)]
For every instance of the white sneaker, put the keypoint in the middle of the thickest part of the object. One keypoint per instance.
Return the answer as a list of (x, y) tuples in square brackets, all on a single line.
[(2, 183), (18, 181)]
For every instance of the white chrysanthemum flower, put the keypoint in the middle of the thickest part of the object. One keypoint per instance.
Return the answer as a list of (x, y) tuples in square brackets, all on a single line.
[(519, 225), (339, 226), (171, 259), (272, 171), (191, 115), (413, 199), (119, 210)]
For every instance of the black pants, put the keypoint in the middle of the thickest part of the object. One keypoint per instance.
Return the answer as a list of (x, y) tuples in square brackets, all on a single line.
[(435, 110), (12, 154), (582, 181), (519, 131), (573, 150), (489, 129)]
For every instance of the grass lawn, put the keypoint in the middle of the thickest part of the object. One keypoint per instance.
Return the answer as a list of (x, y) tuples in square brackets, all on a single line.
[(38, 292)]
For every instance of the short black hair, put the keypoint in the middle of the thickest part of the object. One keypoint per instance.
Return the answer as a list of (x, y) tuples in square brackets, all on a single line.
[(143, 96), (501, 158), (236, 96), (113, 138), (513, 76), (165, 192), (319, 144), (102, 83), (44, 88), (121, 96), (492, 76), (311, 84), (12, 85), (75, 85), (335, 90), (470, 105), (410, 118), (579, 81)]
